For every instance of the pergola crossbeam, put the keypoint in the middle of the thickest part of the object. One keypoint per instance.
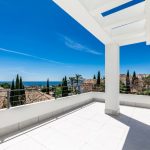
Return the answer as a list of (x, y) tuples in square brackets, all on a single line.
[(108, 5), (126, 24), (125, 16), (137, 38), (129, 29), (75, 9)]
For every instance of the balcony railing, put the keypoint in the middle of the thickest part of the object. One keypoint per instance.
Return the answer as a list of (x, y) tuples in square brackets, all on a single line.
[(11, 98)]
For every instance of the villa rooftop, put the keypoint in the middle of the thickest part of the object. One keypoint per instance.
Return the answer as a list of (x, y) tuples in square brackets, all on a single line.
[(88, 128), (82, 122)]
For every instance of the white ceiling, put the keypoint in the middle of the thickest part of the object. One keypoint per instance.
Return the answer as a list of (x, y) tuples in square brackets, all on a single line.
[(127, 26)]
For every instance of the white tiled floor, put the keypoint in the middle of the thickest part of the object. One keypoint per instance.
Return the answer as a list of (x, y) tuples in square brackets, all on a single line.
[(89, 129)]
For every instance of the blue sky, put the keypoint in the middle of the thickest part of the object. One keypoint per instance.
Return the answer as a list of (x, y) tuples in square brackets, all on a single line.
[(38, 40)]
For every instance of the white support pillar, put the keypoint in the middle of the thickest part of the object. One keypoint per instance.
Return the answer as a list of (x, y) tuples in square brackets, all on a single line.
[(112, 78)]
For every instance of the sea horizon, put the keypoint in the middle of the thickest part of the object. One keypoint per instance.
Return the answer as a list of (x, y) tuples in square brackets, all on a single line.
[(36, 83)]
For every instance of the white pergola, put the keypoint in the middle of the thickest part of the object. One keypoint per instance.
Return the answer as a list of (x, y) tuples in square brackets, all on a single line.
[(127, 26)]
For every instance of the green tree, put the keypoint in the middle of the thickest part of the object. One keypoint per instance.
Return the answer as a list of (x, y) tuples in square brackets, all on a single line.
[(12, 94), (22, 92), (47, 87), (147, 82), (128, 88), (98, 78), (20, 83), (64, 87), (135, 81), (94, 77), (134, 78), (17, 91), (17, 82), (122, 87), (17, 94), (5, 85)]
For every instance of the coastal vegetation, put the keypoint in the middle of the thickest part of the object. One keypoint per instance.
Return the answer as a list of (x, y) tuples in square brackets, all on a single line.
[(5, 85), (129, 84), (94, 77), (17, 92), (64, 87), (135, 84), (128, 89), (47, 86), (98, 79)]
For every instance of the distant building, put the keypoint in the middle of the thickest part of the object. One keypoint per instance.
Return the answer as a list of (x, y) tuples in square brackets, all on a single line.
[(141, 76), (1, 88), (123, 78), (87, 85), (36, 96)]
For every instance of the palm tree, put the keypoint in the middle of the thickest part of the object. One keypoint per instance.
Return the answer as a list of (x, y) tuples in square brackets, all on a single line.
[(78, 76), (72, 79)]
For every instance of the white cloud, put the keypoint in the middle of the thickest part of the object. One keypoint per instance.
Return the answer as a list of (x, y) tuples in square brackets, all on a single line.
[(29, 55), (78, 47)]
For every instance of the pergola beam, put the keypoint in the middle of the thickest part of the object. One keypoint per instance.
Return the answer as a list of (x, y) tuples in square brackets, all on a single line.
[(125, 16), (131, 33), (108, 5), (133, 28), (75, 9), (137, 38), (93, 4)]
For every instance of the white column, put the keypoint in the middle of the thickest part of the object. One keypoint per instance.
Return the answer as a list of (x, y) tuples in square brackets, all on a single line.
[(112, 78)]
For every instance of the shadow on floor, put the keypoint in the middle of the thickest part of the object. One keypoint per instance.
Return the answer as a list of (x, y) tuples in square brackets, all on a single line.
[(138, 137)]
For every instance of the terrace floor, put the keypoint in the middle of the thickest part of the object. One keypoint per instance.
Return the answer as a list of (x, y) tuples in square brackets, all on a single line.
[(88, 129)]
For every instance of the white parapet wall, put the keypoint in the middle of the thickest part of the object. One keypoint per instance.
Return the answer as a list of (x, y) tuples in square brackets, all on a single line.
[(17, 118), (126, 99), (20, 117), (135, 100)]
